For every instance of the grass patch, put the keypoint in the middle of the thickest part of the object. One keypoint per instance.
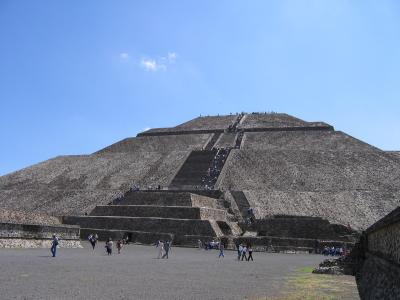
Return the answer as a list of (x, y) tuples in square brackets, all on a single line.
[(306, 270), (304, 285)]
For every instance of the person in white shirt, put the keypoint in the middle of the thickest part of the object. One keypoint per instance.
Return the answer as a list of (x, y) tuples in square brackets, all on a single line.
[(109, 246), (240, 250), (160, 247)]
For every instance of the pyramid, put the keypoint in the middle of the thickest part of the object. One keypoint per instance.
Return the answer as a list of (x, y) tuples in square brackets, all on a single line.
[(275, 164)]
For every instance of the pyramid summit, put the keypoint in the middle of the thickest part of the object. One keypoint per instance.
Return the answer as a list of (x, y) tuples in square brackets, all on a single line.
[(214, 168)]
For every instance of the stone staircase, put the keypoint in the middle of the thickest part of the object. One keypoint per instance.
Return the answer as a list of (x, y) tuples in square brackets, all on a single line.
[(193, 170), (211, 143), (147, 216), (212, 174), (241, 202)]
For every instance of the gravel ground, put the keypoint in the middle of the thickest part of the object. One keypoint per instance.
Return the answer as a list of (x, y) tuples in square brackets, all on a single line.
[(137, 274)]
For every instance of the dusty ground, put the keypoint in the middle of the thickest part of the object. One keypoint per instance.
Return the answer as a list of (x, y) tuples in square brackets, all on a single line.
[(188, 274)]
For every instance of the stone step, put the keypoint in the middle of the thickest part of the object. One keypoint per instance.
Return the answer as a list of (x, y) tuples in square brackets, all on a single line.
[(300, 227), (194, 168), (192, 240), (159, 225), (164, 198), (140, 237), (174, 212)]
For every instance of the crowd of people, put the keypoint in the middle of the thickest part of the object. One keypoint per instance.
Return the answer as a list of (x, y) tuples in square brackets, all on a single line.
[(208, 181), (333, 251), (244, 252), (208, 245), (93, 239)]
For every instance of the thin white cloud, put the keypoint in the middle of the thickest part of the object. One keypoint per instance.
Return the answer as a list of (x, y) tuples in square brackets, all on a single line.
[(124, 56), (172, 57), (158, 64), (152, 65)]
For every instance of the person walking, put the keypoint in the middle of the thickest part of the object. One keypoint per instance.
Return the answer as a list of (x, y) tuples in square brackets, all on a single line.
[(109, 246), (167, 246), (221, 250), (119, 246), (160, 246), (244, 250), (54, 244), (239, 249), (250, 250), (93, 240)]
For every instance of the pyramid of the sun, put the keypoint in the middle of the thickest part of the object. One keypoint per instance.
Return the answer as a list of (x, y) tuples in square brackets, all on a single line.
[(277, 163)]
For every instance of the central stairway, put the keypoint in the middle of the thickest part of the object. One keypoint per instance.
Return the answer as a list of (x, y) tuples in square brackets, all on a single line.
[(148, 216), (193, 170)]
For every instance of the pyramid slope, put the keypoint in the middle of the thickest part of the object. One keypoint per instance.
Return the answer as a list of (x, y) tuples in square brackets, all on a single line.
[(284, 166), (304, 170), (76, 184)]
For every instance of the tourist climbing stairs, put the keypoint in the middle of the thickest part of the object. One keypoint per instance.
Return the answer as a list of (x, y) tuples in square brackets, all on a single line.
[(212, 141), (193, 170)]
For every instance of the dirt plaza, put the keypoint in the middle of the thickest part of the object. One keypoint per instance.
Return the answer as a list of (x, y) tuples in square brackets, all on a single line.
[(188, 274)]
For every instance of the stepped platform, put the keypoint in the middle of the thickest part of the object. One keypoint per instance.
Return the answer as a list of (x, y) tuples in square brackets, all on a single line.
[(157, 211), (171, 198), (303, 227), (279, 164), (147, 216), (159, 225)]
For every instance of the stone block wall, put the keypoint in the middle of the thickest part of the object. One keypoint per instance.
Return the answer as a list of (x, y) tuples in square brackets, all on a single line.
[(37, 236), (139, 237), (174, 226), (175, 212), (300, 227), (378, 275), (203, 201)]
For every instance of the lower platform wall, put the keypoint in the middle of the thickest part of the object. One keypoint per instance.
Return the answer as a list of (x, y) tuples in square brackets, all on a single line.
[(37, 243), (37, 236), (139, 237), (378, 269), (30, 231)]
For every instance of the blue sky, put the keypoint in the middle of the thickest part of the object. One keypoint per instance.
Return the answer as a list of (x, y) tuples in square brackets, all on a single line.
[(76, 76)]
